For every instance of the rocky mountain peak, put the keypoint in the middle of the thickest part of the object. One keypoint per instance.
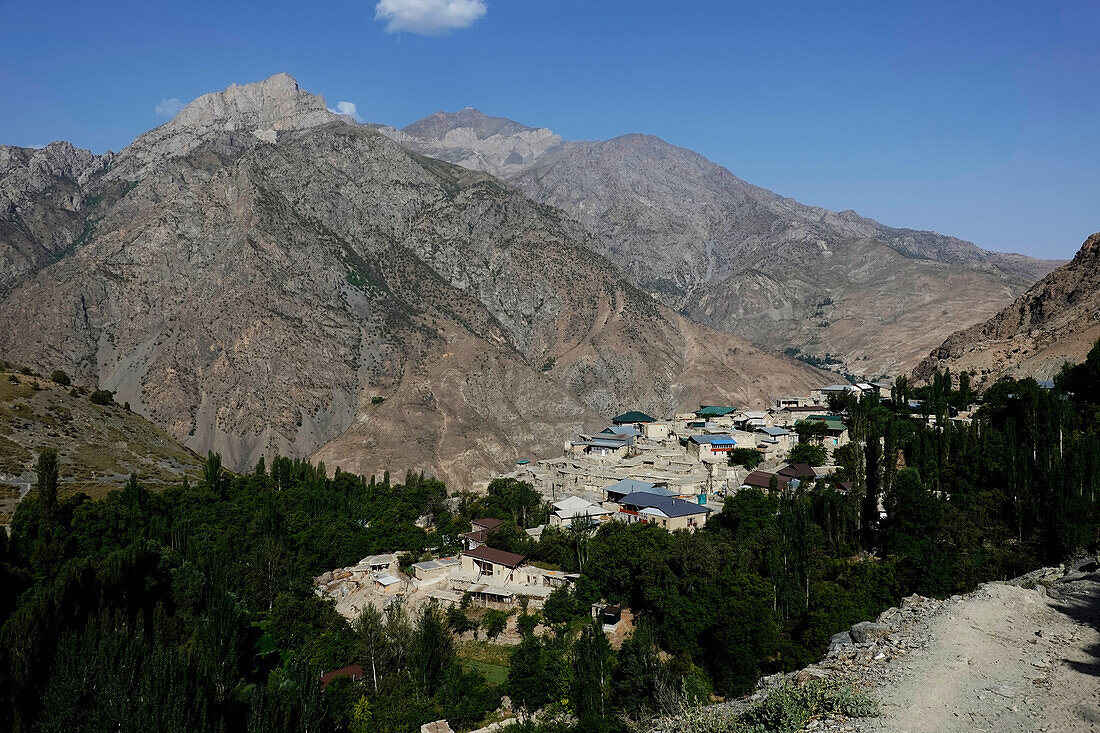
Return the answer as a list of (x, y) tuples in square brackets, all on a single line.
[(482, 125), (276, 103), (244, 115)]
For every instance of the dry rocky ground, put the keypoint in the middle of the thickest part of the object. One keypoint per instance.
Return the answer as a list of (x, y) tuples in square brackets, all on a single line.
[(1008, 657)]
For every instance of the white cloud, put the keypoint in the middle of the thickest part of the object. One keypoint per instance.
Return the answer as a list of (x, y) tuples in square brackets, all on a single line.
[(429, 17), (347, 108), (169, 107)]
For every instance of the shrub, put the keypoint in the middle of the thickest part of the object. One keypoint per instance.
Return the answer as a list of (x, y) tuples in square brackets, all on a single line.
[(377, 400), (788, 708), (102, 397), (60, 377)]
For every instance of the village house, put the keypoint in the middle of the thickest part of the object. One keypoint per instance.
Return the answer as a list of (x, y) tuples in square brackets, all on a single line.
[(783, 403), (388, 585), (431, 571), (764, 481), (479, 532), (564, 511), (668, 512), (634, 418), (491, 564), (377, 563), (775, 442), (712, 447), (605, 446), (836, 432)]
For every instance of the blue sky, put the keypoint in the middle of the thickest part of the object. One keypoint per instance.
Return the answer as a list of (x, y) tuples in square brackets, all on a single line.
[(977, 119)]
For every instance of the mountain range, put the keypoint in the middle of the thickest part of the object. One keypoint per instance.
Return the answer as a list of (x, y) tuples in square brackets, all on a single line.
[(832, 285), (262, 275)]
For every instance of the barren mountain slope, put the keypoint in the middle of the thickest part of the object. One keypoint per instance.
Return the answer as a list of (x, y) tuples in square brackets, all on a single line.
[(267, 289), (741, 258), (98, 446), (1056, 320)]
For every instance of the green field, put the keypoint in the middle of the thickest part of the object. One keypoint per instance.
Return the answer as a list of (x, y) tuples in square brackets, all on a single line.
[(495, 674)]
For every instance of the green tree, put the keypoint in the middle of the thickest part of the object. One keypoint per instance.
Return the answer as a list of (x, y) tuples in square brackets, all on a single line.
[(433, 650), (494, 622), (591, 673), (371, 638), (750, 458), (638, 673), (813, 455), (60, 377)]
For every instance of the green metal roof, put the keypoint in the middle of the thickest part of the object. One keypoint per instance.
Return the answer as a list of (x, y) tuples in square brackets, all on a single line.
[(632, 417), (714, 411)]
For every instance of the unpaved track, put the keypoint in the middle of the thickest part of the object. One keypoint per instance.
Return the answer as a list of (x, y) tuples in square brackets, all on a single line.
[(1004, 658)]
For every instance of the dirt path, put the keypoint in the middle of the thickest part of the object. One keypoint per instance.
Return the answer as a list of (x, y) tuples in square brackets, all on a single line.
[(1005, 658)]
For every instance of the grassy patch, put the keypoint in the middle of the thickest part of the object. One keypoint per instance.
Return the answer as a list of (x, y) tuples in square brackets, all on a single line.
[(786, 709), (494, 674), (484, 651)]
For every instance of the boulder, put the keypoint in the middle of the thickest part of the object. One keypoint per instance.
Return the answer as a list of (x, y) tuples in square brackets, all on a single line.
[(867, 632), (810, 674), (840, 639)]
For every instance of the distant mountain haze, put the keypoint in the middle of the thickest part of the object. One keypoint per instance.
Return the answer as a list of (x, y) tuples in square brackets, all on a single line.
[(262, 275), (737, 257)]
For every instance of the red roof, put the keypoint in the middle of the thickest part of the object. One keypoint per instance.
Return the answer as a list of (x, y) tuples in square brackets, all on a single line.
[(500, 557), (354, 671), (763, 480), (487, 523), (799, 471), (478, 535)]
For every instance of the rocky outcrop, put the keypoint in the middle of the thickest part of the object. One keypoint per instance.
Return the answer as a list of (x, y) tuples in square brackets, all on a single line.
[(334, 294), (1056, 320), (476, 141), (43, 205), (740, 258)]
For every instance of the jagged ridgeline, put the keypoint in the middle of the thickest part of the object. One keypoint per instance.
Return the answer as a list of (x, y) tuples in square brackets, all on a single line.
[(260, 275)]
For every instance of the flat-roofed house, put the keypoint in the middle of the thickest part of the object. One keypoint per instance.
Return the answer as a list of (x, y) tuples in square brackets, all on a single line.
[(433, 570)]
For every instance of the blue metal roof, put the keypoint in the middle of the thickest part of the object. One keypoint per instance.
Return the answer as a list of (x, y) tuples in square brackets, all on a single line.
[(669, 505), (714, 439), (629, 485)]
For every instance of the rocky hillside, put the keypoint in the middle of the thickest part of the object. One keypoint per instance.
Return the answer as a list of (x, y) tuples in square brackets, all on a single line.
[(98, 446), (1056, 320), (740, 258), (260, 275)]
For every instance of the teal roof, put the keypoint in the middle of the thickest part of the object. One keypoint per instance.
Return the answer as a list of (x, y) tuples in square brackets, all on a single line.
[(714, 411), (632, 417)]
